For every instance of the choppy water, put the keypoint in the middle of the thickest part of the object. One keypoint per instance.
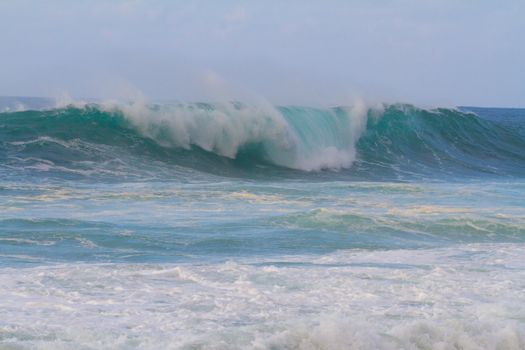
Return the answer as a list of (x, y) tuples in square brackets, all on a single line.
[(232, 226)]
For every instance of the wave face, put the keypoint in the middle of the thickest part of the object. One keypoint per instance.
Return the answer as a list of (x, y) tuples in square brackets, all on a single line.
[(394, 141)]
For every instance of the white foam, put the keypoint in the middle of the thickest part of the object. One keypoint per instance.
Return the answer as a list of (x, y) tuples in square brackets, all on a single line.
[(468, 297)]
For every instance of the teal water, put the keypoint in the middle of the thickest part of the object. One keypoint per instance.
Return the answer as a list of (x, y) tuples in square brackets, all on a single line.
[(236, 226)]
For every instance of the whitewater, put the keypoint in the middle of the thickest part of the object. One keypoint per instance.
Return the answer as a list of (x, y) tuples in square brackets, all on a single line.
[(243, 226)]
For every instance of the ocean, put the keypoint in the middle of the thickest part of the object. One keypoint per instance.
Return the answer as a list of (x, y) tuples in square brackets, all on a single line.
[(238, 226)]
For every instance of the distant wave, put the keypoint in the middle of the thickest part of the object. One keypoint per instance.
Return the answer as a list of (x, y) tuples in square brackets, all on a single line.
[(390, 140)]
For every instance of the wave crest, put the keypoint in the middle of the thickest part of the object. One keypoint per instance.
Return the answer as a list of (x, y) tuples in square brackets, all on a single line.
[(391, 141)]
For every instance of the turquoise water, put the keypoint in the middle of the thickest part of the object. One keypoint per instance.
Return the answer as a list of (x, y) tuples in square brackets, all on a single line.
[(236, 226)]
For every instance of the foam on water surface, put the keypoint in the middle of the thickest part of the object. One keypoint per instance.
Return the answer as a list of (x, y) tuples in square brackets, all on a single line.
[(162, 221), (469, 297)]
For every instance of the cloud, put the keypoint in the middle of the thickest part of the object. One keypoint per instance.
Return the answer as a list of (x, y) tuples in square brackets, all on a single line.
[(236, 15), (467, 52)]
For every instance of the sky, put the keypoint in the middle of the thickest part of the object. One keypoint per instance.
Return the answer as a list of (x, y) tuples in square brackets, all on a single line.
[(428, 52)]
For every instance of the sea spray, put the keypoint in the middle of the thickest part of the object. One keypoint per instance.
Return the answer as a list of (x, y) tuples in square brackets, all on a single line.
[(294, 137)]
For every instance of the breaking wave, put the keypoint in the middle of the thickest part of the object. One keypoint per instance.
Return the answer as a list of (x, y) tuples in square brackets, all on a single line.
[(389, 140)]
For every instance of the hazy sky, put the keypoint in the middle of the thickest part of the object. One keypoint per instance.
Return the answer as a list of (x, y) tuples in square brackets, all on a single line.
[(446, 52)]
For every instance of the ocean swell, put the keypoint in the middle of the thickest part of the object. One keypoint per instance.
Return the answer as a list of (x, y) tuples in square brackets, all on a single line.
[(393, 140)]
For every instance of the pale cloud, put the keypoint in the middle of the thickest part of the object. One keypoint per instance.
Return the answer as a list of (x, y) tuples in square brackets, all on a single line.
[(311, 52), (236, 15)]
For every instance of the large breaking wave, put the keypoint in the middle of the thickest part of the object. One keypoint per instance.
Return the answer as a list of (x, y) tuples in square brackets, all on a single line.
[(233, 138)]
